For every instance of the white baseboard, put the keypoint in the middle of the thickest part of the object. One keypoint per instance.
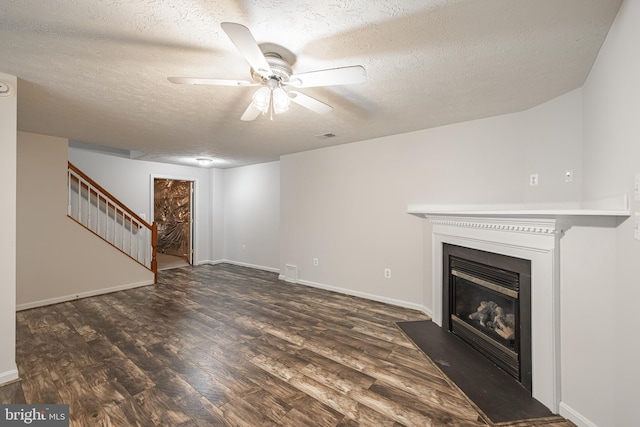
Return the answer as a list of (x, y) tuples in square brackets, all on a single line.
[(208, 262), (72, 297), (574, 416), (427, 311), (345, 291), (242, 264), (364, 295), (9, 376)]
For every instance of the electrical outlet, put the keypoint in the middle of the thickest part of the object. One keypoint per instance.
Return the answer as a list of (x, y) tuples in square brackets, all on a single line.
[(315, 262), (533, 179), (387, 273), (568, 175)]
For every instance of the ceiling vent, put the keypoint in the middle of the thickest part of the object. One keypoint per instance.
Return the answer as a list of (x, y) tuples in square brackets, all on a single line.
[(326, 135)]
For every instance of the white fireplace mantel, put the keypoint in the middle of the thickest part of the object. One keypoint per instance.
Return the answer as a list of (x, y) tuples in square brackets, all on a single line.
[(530, 232), (616, 206)]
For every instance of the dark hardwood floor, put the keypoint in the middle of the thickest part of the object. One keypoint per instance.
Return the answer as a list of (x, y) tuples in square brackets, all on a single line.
[(230, 346)]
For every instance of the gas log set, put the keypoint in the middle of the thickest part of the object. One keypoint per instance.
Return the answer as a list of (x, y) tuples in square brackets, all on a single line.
[(492, 316)]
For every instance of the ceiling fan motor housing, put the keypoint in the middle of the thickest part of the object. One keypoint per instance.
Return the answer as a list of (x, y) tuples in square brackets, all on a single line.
[(280, 68)]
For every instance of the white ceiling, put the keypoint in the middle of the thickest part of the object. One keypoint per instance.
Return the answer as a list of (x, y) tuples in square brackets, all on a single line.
[(95, 71)]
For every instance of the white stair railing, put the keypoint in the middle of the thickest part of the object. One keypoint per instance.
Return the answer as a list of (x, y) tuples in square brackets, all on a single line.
[(99, 212)]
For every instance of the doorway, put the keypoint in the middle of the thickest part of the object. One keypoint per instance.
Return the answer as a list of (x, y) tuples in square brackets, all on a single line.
[(173, 213)]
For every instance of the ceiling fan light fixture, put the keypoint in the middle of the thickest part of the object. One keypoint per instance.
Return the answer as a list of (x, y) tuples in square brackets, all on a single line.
[(262, 98), (281, 100), (271, 98)]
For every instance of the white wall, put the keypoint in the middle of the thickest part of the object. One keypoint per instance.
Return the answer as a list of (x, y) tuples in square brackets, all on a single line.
[(57, 259), (588, 339), (130, 181), (216, 208), (346, 205), (252, 215), (8, 121), (611, 161)]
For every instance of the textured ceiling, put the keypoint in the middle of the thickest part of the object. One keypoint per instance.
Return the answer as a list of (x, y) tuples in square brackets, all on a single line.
[(95, 71)]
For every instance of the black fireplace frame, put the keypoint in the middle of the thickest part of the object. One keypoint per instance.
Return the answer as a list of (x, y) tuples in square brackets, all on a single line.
[(517, 265)]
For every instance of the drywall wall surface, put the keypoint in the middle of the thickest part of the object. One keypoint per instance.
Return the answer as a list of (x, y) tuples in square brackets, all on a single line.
[(56, 257), (130, 181), (551, 147), (611, 162), (587, 256), (346, 205), (252, 215), (611, 100), (216, 207), (8, 123)]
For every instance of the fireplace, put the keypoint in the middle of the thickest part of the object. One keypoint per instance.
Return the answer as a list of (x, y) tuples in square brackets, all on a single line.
[(534, 239), (527, 232), (487, 304)]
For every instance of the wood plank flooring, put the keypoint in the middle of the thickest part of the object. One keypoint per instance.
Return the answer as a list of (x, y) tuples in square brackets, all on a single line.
[(229, 346), (166, 261)]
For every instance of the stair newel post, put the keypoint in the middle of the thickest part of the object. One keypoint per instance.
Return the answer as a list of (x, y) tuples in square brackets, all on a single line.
[(154, 245)]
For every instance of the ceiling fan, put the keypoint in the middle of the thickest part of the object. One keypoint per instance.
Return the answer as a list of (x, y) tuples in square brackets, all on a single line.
[(275, 77)]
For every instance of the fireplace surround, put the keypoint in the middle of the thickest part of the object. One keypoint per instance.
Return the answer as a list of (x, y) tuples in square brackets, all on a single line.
[(531, 233)]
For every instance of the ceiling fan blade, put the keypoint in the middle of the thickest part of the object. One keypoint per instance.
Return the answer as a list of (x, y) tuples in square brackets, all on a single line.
[(310, 103), (215, 82), (251, 113), (248, 47), (330, 77)]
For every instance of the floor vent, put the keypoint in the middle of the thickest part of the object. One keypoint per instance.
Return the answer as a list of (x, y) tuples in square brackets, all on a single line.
[(290, 273)]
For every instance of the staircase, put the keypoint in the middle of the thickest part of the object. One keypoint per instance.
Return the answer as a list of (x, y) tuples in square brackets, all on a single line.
[(105, 216)]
